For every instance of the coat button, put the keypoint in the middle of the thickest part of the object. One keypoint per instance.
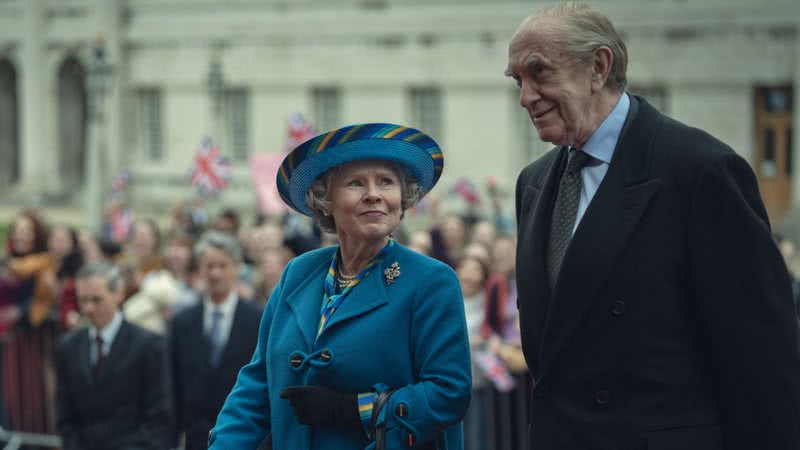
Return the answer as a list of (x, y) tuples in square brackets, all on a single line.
[(401, 410), (618, 308), (601, 397), (295, 360), (325, 356)]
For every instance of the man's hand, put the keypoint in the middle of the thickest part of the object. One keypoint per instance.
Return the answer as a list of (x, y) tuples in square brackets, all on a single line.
[(319, 405)]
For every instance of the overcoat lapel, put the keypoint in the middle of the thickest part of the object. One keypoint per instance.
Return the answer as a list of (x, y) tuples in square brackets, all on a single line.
[(540, 196), (306, 301), (200, 345), (369, 294), (82, 354), (612, 215), (238, 334), (119, 348)]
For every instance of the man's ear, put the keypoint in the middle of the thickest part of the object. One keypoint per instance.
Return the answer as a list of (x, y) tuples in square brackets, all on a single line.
[(602, 60)]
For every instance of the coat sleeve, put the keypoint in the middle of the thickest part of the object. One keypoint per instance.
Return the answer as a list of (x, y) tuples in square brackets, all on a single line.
[(418, 413), (743, 294), (68, 418), (244, 420)]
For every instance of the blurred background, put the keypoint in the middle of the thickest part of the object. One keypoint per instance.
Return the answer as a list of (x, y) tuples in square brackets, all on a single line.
[(122, 121), (100, 92)]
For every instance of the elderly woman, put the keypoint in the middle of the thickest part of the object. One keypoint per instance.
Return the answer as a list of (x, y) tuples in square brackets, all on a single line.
[(362, 345)]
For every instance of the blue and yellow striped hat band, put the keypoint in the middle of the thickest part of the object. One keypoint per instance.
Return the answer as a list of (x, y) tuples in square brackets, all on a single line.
[(411, 149)]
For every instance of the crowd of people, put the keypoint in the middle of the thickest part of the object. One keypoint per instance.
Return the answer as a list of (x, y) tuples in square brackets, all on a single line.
[(164, 279)]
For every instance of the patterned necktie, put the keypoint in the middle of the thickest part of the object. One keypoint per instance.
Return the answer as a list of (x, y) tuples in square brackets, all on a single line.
[(565, 212), (215, 339), (98, 363)]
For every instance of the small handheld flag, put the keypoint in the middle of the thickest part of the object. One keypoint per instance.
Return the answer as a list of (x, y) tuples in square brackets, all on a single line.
[(211, 171)]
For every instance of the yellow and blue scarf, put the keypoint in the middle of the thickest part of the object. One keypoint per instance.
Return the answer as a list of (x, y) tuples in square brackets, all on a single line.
[(330, 299)]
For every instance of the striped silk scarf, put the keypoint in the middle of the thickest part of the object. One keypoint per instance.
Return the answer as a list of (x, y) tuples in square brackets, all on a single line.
[(330, 299)]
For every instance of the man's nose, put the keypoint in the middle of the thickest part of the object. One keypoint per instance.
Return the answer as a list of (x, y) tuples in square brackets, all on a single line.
[(528, 95)]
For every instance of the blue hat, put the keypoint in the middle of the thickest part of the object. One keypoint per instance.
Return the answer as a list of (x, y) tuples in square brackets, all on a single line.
[(412, 149)]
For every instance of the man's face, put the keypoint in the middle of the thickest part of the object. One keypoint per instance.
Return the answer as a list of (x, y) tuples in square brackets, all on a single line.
[(555, 88), (220, 273), (96, 301)]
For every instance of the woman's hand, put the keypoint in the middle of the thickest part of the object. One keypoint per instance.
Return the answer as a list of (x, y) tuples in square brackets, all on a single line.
[(319, 405)]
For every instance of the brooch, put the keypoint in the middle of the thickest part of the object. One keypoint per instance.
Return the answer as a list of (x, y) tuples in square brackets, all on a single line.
[(392, 272)]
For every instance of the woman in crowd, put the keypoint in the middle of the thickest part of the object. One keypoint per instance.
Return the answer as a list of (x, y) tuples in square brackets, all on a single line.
[(67, 260), (472, 274), (364, 344), (142, 254), (28, 340)]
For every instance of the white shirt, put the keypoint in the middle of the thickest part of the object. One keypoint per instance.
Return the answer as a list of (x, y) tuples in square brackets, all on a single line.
[(108, 333), (228, 310)]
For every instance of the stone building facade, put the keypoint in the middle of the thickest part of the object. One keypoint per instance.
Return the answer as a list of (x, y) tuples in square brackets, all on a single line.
[(731, 67)]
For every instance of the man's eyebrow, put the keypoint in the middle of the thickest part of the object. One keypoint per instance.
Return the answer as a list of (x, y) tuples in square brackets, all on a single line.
[(533, 59)]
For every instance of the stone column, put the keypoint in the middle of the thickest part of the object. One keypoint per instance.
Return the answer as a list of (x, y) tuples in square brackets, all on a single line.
[(109, 24), (33, 111)]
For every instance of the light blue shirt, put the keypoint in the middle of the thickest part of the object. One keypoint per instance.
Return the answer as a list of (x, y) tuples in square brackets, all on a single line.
[(600, 147), (108, 333)]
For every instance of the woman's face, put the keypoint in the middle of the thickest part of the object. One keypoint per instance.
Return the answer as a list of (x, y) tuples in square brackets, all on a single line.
[(177, 258), (504, 253), (453, 232), (23, 235), (59, 243), (470, 276), (365, 201), (273, 261), (144, 240), (89, 247)]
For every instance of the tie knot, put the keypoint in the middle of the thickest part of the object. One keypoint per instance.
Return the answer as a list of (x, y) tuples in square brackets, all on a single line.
[(576, 159)]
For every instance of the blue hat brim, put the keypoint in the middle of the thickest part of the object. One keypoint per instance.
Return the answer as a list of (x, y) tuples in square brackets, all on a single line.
[(418, 162)]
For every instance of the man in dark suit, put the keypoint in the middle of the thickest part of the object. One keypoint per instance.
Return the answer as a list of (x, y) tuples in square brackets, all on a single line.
[(655, 309), (210, 341), (112, 377)]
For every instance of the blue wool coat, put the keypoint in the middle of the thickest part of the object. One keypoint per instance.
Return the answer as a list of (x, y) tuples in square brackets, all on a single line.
[(409, 334)]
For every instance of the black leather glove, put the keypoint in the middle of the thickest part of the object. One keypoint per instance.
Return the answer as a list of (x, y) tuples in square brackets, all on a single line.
[(319, 405)]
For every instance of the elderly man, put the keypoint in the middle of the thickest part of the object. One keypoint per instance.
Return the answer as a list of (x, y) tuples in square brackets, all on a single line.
[(210, 341), (655, 309), (112, 378)]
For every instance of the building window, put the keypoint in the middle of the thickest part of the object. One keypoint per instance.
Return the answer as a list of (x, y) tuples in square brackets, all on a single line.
[(150, 124), (327, 104), (774, 151), (657, 96), (426, 110), (237, 119)]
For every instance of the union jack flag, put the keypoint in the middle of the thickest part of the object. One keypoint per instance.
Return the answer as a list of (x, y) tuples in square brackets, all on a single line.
[(118, 184), (466, 189), (494, 369), (211, 171), (298, 130)]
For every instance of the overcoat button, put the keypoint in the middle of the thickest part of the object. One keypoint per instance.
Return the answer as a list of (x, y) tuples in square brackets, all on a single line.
[(601, 397), (401, 410), (295, 360), (618, 308), (325, 356)]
